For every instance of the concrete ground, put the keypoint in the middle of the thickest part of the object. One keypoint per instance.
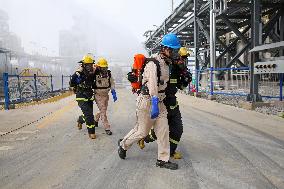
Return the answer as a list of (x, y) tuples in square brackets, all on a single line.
[(223, 147)]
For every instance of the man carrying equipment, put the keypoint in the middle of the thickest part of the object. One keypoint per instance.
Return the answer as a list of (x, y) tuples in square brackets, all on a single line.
[(151, 110), (180, 78)]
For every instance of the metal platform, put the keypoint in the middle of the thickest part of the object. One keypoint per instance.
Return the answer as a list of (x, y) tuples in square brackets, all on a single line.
[(233, 17), (240, 26)]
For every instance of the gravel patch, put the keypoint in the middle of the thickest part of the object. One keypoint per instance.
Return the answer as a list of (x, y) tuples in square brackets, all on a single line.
[(236, 101)]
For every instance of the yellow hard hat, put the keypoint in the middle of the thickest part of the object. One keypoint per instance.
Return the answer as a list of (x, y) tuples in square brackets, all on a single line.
[(102, 63), (183, 51), (87, 59)]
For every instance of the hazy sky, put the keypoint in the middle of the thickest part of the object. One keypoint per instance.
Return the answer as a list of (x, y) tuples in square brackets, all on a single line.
[(118, 23)]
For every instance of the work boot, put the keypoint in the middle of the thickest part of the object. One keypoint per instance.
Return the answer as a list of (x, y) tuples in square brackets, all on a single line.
[(141, 144), (176, 155), (92, 136), (96, 124), (167, 165), (121, 151), (108, 132), (79, 125)]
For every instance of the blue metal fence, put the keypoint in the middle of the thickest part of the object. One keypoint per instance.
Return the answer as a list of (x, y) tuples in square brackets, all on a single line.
[(236, 82), (19, 89)]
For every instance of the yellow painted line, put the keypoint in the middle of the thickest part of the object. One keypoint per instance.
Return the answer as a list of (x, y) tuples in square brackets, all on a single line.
[(56, 115), (44, 101)]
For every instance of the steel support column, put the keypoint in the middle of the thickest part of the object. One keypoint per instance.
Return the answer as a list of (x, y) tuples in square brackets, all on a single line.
[(255, 33), (196, 44), (212, 34), (281, 53), (204, 30), (212, 43)]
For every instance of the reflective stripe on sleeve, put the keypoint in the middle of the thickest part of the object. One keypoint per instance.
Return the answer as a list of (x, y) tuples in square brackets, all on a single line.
[(173, 107), (173, 80), (90, 126)]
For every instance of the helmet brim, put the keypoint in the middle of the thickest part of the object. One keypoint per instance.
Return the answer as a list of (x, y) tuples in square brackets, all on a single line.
[(82, 62), (103, 66), (176, 47), (172, 47)]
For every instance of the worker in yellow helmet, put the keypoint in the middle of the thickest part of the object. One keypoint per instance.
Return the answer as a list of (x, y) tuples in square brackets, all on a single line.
[(183, 51), (104, 83), (82, 80)]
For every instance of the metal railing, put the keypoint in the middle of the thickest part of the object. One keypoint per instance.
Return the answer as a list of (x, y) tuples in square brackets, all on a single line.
[(236, 82), (18, 89)]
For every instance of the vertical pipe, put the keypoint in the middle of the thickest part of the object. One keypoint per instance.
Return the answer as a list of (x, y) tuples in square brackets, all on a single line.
[(6, 90), (212, 43), (221, 7), (6, 63), (225, 5), (196, 45), (212, 35), (19, 87), (35, 85), (211, 82), (51, 83)]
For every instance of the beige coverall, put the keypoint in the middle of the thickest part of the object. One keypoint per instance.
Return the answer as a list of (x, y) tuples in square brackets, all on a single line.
[(143, 111), (103, 86)]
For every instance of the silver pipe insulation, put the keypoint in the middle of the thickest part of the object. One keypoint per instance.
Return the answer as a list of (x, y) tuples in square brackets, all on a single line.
[(213, 34)]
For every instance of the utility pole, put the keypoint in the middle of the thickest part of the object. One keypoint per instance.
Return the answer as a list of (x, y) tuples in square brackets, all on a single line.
[(172, 5)]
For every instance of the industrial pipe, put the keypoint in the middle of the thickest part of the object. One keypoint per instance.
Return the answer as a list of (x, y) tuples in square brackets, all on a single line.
[(212, 43)]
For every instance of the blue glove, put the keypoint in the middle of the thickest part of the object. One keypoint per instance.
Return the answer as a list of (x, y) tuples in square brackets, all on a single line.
[(113, 95), (78, 80), (154, 107)]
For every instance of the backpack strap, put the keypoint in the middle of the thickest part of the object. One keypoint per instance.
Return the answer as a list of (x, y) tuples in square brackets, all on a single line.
[(157, 63), (97, 72), (109, 77)]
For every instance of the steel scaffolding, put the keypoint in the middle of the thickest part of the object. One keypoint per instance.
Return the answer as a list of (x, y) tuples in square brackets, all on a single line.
[(239, 26)]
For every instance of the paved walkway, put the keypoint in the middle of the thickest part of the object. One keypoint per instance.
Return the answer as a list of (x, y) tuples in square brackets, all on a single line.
[(223, 147)]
